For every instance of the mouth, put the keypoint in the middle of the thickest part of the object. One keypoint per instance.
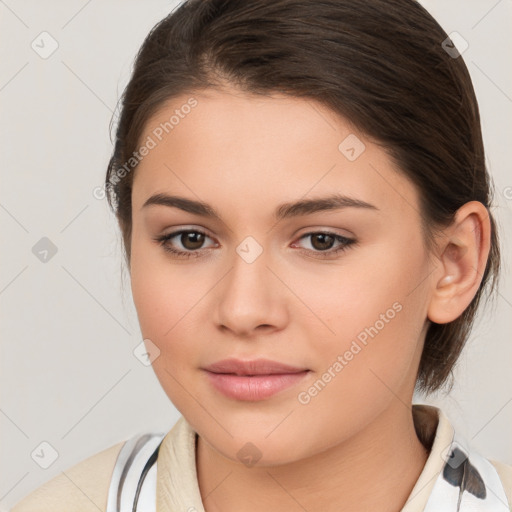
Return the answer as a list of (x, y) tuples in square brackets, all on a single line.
[(253, 380), (253, 367)]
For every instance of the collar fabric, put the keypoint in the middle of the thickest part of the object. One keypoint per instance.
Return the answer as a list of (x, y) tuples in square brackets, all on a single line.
[(454, 479)]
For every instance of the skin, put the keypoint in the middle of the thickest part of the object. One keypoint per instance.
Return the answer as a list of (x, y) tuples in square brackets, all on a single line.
[(245, 155)]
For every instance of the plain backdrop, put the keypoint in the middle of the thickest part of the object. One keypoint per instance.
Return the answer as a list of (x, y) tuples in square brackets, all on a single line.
[(69, 377)]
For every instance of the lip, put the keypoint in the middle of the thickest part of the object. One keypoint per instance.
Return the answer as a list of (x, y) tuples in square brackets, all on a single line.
[(252, 367), (252, 380)]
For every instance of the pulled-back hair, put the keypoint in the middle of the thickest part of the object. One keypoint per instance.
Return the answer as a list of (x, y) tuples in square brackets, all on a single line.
[(384, 65)]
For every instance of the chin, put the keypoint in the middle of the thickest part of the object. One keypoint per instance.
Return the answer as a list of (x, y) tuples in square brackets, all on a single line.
[(254, 447)]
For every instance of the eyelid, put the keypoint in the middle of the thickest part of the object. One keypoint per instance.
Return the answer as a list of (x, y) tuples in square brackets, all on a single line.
[(330, 231), (344, 242), (311, 231), (180, 230), (174, 230)]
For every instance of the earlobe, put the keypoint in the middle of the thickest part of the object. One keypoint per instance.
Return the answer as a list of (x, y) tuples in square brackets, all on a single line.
[(464, 248)]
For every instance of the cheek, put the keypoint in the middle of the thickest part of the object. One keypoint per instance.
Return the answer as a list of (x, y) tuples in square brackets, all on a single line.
[(158, 288), (167, 298), (163, 319), (379, 279), (155, 298), (375, 307)]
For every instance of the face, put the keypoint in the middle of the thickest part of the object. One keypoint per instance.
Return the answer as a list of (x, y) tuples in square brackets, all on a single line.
[(340, 292)]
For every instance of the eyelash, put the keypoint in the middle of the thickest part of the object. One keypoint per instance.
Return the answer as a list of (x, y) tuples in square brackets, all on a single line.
[(346, 244)]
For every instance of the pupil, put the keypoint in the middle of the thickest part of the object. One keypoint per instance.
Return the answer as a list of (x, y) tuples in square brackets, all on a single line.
[(187, 239), (193, 240), (323, 245)]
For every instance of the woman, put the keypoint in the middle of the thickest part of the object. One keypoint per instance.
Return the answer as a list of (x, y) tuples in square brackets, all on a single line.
[(305, 209)]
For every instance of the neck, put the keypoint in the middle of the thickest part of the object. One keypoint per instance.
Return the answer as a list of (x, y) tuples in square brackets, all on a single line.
[(374, 470)]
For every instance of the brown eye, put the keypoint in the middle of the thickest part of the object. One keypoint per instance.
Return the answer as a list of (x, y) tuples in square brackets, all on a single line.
[(322, 241), (322, 244), (192, 240), (184, 243)]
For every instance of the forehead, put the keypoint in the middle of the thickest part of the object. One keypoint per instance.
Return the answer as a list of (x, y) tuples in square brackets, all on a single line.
[(243, 150)]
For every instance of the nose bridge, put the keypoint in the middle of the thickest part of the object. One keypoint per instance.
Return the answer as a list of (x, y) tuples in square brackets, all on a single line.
[(249, 297), (249, 281), (249, 250)]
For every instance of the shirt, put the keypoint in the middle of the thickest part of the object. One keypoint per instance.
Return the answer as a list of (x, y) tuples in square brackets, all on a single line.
[(454, 479)]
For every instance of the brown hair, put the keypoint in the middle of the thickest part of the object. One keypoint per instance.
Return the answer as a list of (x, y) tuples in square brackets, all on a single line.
[(381, 64)]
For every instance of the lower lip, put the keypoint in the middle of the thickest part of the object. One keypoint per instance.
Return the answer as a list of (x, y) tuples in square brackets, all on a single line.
[(255, 387)]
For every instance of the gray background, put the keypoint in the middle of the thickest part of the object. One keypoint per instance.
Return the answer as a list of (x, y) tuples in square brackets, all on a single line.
[(69, 328)]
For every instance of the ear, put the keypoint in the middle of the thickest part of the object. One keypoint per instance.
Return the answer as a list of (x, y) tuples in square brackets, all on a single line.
[(463, 249)]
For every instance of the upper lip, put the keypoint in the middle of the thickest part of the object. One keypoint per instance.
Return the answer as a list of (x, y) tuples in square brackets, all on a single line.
[(253, 367)]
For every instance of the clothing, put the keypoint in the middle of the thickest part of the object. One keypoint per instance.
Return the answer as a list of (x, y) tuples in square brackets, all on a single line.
[(170, 483)]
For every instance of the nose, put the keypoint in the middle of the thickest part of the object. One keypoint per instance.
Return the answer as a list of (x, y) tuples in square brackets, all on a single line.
[(251, 298)]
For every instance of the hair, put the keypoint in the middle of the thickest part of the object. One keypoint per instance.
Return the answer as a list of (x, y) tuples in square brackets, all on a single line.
[(383, 65)]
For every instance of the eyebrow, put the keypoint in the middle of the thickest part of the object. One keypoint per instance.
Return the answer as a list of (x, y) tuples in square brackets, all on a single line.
[(283, 211)]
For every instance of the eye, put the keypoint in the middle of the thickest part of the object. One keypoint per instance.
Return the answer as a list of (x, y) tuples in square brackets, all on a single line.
[(323, 241), (190, 239)]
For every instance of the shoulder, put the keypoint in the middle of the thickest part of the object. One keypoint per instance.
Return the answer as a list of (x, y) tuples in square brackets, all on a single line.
[(505, 473), (83, 487)]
